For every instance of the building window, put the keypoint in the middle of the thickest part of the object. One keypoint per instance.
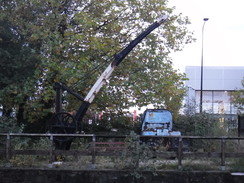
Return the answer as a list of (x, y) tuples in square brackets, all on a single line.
[(216, 102)]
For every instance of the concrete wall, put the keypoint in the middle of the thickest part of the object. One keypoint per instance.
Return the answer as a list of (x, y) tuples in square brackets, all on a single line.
[(13, 175)]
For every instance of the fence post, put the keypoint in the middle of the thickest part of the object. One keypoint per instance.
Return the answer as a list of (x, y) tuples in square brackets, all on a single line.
[(8, 146), (51, 149), (223, 153), (93, 149), (180, 153)]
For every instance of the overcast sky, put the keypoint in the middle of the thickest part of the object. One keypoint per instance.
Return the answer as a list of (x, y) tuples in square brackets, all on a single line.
[(223, 33)]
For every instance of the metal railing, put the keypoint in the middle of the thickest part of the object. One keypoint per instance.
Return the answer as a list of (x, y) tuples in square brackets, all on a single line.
[(8, 151)]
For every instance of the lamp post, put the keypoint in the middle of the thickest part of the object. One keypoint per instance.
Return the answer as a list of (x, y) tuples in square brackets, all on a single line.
[(204, 21)]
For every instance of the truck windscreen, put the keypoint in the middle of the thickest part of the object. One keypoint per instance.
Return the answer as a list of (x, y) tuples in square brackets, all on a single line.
[(158, 117)]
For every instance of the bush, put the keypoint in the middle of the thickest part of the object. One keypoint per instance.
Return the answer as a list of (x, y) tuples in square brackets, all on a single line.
[(9, 125), (199, 125), (135, 153), (122, 123)]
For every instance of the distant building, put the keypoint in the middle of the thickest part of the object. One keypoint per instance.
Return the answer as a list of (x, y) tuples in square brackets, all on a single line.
[(218, 83)]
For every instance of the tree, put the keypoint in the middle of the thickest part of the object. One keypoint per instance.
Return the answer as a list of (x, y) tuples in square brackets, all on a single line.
[(237, 97), (73, 42), (18, 61)]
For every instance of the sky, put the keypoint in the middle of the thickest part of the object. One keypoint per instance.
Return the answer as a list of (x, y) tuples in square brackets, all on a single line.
[(223, 36)]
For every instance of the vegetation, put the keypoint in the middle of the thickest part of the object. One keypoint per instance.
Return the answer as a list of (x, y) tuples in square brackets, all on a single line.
[(71, 41), (238, 98), (138, 157), (9, 125), (203, 124)]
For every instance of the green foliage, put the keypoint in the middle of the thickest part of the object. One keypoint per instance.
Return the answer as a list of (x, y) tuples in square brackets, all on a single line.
[(238, 99), (237, 164), (119, 124), (23, 161), (29, 160), (205, 164), (135, 153), (9, 125), (72, 41), (203, 124), (18, 62)]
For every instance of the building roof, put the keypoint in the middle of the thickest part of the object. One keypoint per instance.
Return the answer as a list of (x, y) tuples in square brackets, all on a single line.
[(215, 78)]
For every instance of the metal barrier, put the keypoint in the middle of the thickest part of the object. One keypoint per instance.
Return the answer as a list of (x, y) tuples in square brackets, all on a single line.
[(180, 154)]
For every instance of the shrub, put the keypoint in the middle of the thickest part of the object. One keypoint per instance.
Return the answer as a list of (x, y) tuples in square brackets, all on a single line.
[(199, 125), (9, 125)]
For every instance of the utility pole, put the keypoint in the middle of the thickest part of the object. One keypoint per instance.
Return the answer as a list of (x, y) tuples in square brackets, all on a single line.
[(205, 19)]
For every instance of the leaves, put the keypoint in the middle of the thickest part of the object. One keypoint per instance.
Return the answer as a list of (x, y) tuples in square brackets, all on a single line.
[(73, 42), (238, 99)]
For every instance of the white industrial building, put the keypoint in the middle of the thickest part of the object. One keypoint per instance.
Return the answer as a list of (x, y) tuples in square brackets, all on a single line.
[(218, 83)]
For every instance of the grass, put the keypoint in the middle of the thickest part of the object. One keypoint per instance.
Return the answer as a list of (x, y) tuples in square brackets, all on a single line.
[(116, 163)]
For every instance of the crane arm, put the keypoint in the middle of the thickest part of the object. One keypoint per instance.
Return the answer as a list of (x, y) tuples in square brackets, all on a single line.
[(109, 70)]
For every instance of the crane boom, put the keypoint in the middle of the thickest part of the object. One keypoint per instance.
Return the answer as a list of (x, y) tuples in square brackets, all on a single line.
[(109, 70)]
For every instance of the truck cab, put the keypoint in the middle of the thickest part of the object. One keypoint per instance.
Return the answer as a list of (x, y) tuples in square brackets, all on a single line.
[(158, 122)]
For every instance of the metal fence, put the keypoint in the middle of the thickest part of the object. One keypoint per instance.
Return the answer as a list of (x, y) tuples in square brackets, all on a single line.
[(222, 151)]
